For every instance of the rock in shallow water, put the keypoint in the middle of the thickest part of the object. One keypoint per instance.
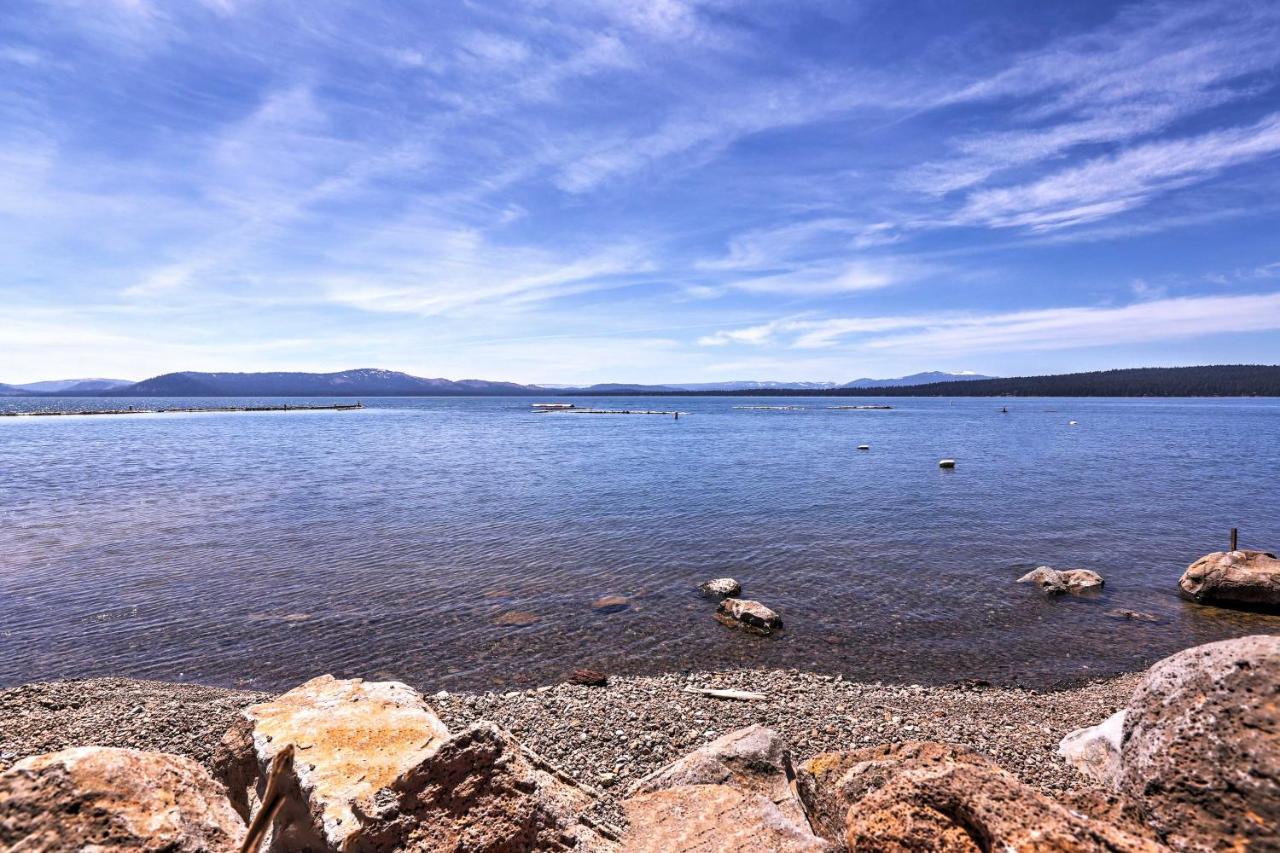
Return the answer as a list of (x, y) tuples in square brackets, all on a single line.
[(1234, 577), (1201, 747), (610, 604), (748, 615), (1053, 582), (721, 587), (102, 799)]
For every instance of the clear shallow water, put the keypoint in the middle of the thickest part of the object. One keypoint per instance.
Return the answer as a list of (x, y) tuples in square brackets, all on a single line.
[(262, 549)]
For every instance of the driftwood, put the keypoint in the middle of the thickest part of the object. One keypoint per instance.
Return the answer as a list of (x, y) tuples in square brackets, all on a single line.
[(272, 800), (743, 695)]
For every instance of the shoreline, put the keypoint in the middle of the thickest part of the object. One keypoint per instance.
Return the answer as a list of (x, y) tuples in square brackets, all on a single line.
[(611, 736)]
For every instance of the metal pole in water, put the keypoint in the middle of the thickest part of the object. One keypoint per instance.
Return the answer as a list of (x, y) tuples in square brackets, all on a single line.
[(1234, 533)]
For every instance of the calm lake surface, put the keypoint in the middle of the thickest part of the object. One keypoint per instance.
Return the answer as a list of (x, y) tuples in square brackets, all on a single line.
[(262, 549)]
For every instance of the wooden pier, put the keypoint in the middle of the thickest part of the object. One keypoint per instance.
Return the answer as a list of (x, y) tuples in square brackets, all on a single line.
[(339, 407)]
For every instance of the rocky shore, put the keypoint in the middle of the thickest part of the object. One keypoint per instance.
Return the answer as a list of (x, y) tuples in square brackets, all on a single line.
[(612, 735), (1189, 760)]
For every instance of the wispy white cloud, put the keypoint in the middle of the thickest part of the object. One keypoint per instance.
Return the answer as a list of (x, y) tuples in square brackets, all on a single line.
[(1108, 185), (959, 333)]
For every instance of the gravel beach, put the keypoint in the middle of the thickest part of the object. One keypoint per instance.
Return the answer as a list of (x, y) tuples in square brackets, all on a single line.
[(610, 736)]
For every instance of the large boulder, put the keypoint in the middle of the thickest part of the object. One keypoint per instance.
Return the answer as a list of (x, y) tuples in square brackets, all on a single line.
[(754, 760), (351, 738), (1095, 751), (1233, 577), (932, 796), (480, 791), (1201, 747), (748, 615), (107, 799), (713, 819)]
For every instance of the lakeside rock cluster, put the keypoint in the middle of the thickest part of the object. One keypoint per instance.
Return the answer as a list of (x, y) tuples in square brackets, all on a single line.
[(1193, 763)]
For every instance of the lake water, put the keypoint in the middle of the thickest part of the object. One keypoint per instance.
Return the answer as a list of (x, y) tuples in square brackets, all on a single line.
[(262, 549)]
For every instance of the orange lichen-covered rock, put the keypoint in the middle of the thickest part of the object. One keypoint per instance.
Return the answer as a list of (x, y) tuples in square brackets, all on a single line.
[(106, 799), (351, 738)]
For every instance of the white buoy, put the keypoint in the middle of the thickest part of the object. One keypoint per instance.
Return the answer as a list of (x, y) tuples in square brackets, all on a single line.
[(946, 463), (864, 447), (1071, 423)]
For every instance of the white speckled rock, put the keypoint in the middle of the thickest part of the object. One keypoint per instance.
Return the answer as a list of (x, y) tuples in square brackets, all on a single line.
[(1095, 750), (722, 587)]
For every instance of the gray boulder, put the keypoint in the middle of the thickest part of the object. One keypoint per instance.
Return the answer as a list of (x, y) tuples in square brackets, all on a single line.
[(1201, 745)]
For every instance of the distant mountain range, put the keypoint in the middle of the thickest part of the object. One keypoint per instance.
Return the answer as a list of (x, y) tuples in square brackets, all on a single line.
[(369, 382), (1209, 381), (63, 386)]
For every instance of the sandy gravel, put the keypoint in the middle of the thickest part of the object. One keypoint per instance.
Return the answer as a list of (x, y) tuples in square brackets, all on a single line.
[(183, 718), (609, 736)]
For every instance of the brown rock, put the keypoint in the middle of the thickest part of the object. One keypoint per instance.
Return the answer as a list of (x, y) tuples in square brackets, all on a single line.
[(1111, 807), (351, 738), (588, 678), (1201, 747), (830, 782), (479, 792), (753, 760), (929, 796), (107, 799), (1233, 577), (712, 819), (748, 615)]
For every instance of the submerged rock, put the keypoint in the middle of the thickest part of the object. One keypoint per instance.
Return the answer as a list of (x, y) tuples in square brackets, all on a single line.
[(515, 619), (713, 819), (1201, 746), (748, 615), (611, 604), (933, 796), (1054, 582), (1095, 750), (1132, 615), (721, 587), (754, 760), (102, 798), (1233, 577), (350, 738)]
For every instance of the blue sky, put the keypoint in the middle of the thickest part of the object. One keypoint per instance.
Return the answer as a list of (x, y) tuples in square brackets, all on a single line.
[(588, 191)]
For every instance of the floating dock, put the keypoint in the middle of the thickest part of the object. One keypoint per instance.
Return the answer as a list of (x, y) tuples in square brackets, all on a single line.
[(341, 407), (576, 411), (858, 408)]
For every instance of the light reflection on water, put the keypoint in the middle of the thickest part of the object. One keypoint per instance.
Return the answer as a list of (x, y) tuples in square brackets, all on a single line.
[(261, 549)]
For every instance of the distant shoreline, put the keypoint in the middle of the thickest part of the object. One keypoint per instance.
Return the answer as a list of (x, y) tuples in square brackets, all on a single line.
[(1224, 380)]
